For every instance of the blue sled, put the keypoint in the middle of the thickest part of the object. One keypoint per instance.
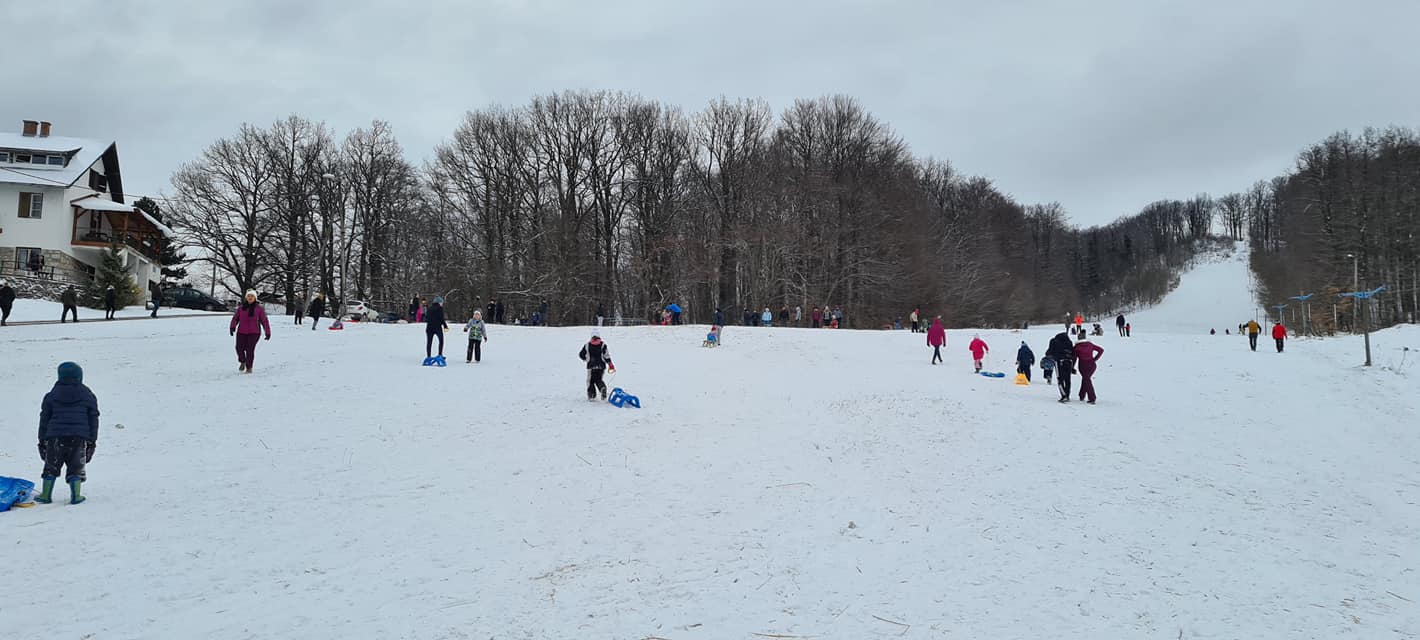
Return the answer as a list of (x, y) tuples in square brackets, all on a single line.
[(993, 374), (621, 399), (436, 361)]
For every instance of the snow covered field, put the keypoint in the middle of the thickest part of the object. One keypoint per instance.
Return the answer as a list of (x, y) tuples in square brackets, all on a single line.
[(792, 483), (32, 310), (1215, 294)]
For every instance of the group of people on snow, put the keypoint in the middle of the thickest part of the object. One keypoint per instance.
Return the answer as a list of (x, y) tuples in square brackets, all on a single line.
[(1063, 358), (1253, 329)]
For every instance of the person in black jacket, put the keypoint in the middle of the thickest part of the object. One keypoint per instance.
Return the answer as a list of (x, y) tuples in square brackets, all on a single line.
[(1119, 323), (498, 309), (70, 300), (598, 360), (719, 317), (414, 308), (1025, 358), (110, 302), (155, 291), (1062, 351), (434, 325), (316, 310), (68, 432), (7, 301)]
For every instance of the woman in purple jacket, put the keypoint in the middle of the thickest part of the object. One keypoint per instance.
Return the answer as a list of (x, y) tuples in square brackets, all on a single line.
[(247, 326), (1086, 355)]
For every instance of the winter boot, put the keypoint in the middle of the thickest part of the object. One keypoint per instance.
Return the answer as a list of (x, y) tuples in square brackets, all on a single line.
[(74, 497), (44, 496)]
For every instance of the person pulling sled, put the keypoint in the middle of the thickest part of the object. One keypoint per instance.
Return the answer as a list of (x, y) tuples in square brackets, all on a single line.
[(1062, 352), (598, 360)]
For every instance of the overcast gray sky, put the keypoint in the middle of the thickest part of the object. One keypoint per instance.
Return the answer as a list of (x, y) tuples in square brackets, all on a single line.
[(1103, 105)]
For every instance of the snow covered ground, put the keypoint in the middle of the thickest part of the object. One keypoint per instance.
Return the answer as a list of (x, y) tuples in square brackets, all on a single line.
[(1215, 294), (792, 483)]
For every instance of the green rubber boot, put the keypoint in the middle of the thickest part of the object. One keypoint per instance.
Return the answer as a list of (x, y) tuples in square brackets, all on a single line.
[(74, 497), (44, 497)]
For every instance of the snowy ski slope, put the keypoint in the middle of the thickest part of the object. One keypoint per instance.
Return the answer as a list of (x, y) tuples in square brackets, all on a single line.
[(792, 483), (1215, 294)]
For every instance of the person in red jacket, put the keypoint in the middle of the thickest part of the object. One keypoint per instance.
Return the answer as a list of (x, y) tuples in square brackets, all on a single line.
[(978, 350), (1279, 333), (1086, 355), (247, 325), (936, 338)]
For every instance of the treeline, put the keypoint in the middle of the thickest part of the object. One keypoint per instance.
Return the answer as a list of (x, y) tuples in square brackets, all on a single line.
[(1346, 218), (583, 199)]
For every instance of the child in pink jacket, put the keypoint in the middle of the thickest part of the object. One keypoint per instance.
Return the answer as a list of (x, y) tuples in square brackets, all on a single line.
[(978, 350)]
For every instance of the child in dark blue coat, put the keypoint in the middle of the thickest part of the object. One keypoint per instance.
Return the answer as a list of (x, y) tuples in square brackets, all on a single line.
[(1025, 358), (68, 431)]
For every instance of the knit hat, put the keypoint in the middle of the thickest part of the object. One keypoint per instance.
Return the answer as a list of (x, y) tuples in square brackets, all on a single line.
[(596, 333), (250, 292), (438, 299), (70, 371)]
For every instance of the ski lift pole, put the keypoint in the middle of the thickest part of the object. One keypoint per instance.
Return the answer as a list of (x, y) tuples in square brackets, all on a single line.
[(1366, 296), (1305, 299), (1279, 308)]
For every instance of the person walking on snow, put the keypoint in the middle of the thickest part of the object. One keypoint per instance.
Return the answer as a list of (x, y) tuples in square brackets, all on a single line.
[(719, 317), (798, 315), (1252, 330), (1119, 324), (247, 325), (1062, 352), (978, 350), (767, 318), (70, 299), (434, 326), (68, 432), (912, 317), (318, 309), (598, 360), (7, 301), (414, 308), (1086, 355), (1024, 360), (1279, 333), (110, 302), (155, 290), (937, 338), (477, 335), (300, 310), (1079, 322)]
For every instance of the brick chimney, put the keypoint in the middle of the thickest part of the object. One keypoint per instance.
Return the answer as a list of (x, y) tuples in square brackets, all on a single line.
[(31, 128), (43, 129)]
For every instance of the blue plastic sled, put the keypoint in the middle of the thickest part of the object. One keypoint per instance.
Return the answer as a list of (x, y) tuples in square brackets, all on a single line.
[(621, 399), (993, 374), (436, 361), (15, 491)]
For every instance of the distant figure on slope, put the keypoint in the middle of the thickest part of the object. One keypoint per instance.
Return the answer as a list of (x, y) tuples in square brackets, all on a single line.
[(601, 314), (766, 318), (68, 432), (70, 299), (1086, 355), (1119, 323), (247, 325), (7, 301), (155, 290), (1079, 323), (317, 309), (719, 317), (1279, 333), (747, 317), (798, 315), (978, 350), (598, 360), (434, 326), (815, 319), (300, 310), (414, 308), (936, 338), (712, 339), (1062, 352), (1252, 330), (499, 310), (912, 318), (1047, 368), (110, 302), (477, 335), (1025, 359), (784, 316), (1126, 329)]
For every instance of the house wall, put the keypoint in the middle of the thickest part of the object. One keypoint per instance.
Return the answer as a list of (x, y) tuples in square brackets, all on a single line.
[(53, 232)]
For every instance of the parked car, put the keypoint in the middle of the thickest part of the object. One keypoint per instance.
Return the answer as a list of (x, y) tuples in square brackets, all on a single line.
[(189, 298), (390, 317), (360, 311)]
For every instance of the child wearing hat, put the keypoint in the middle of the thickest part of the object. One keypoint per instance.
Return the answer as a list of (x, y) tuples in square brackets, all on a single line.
[(68, 431), (598, 360)]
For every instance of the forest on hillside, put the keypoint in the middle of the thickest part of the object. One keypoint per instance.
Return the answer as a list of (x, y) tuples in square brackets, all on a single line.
[(586, 199)]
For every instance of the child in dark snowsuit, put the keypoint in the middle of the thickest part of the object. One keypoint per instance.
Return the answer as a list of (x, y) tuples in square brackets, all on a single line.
[(598, 360), (68, 430), (434, 326), (1025, 358), (477, 335), (1062, 351)]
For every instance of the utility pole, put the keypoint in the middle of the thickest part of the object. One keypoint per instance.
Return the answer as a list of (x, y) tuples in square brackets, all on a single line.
[(1364, 297), (1305, 299)]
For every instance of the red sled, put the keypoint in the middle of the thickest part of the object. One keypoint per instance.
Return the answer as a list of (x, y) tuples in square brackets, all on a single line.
[(336, 326)]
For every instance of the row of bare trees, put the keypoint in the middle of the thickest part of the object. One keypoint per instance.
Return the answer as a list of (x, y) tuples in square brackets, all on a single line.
[(581, 200), (1347, 217)]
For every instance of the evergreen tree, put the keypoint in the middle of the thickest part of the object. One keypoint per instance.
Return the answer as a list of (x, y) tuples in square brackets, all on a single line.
[(172, 260), (110, 272)]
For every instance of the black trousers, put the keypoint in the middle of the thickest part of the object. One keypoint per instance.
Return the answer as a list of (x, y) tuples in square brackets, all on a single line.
[(108, 312), (1252, 341), (68, 451), (595, 383), (475, 351), (429, 335), (68, 309), (1279, 344), (1063, 370), (936, 354), (1024, 368), (5, 313)]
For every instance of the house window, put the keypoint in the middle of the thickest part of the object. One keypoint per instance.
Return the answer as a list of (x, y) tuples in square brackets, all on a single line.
[(31, 258), (97, 181), (56, 161), (4, 156), (39, 159), (22, 158), (31, 205)]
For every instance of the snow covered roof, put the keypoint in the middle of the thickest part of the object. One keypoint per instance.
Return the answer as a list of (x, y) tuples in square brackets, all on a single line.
[(98, 203), (83, 154)]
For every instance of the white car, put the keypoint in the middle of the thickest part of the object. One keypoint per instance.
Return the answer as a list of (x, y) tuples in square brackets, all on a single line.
[(361, 312)]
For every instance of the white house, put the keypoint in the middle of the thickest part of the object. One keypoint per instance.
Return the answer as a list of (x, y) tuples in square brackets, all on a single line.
[(61, 206)]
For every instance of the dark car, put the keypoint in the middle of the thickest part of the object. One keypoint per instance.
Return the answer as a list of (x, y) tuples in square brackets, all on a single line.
[(189, 298)]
